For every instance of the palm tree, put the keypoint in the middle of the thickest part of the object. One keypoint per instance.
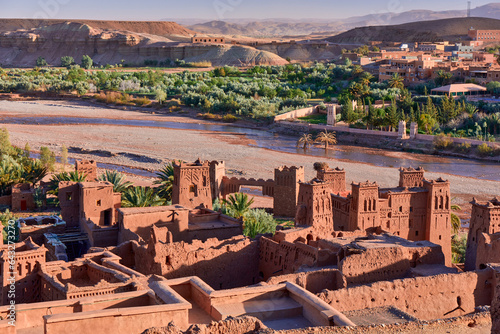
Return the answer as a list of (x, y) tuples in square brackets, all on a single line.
[(239, 204), (117, 179), (33, 171), (327, 138), (356, 90), (135, 197), (357, 70), (396, 81), (365, 78), (64, 176), (165, 181), (305, 141), (10, 173), (470, 108), (455, 220)]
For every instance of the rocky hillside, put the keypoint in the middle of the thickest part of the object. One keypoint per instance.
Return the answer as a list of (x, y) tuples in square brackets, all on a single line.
[(159, 28), (132, 43), (436, 30)]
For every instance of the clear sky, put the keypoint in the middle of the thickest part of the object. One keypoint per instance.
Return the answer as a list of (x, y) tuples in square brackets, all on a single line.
[(216, 9)]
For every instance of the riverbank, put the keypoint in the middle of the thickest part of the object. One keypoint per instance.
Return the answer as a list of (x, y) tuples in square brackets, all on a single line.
[(150, 147)]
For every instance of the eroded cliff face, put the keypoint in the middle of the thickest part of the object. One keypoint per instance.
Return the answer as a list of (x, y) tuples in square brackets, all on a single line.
[(304, 51), (21, 48)]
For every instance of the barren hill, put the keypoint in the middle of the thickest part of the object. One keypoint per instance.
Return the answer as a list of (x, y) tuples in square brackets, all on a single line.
[(158, 41), (159, 28), (437, 30)]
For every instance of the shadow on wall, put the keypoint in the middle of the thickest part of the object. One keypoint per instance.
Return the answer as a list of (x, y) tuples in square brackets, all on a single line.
[(211, 261), (427, 298)]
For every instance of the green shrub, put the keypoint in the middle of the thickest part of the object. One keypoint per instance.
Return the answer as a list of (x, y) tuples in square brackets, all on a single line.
[(258, 221), (142, 101), (67, 61), (210, 116), (484, 150), (47, 158), (463, 148), (458, 248), (87, 62), (41, 62), (229, 118), (443, 142)]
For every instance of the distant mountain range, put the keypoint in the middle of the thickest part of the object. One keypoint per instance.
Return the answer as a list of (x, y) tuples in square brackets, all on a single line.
[(453, 30), (281, 27)]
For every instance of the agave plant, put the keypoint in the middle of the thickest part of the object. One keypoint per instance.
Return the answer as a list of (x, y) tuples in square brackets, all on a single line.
[(135, 197), (64, 176), (10, 173), (33, 171), (165, 181), (117, 179)]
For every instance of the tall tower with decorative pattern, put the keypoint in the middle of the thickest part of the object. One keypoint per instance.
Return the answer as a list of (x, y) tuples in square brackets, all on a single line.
[(191, 187), (286, 190), (314, 206)]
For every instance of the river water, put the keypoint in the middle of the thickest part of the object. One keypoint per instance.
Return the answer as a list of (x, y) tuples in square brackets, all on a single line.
[(283, 143)]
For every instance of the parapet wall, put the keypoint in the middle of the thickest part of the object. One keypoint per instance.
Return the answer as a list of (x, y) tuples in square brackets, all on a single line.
[(313, 281), (423, 297), (378, 264), (296, 114), (233, 185), (208, 260)]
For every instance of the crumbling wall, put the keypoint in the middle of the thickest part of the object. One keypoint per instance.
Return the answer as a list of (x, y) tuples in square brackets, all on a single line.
[(495, 304), (284, 257), (313, 281), (211, 261), (239, 325), (5, 200), (232, 185), (441, 296), (22, 198), (378, 264), (136, 223), (487, 250)]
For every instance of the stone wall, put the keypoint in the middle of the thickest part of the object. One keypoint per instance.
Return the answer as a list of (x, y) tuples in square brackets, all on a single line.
[(495, 303), (313, 281), (377, 264), (423, 297), (296, 114), (208, 260), (6, 200)]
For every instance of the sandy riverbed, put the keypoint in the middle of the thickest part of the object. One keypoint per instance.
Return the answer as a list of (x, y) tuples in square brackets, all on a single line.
[(164, 144)]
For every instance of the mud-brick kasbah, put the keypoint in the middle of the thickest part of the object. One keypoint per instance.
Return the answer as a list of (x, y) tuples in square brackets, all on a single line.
[(186, 268)]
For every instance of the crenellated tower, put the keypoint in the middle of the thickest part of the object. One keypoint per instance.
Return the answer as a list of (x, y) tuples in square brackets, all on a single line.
[(365, 212), (438, 222), (217, 173), (191, 187), (411, 177), (286, 190), (314, 206), (336, 178), (484, 219)]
